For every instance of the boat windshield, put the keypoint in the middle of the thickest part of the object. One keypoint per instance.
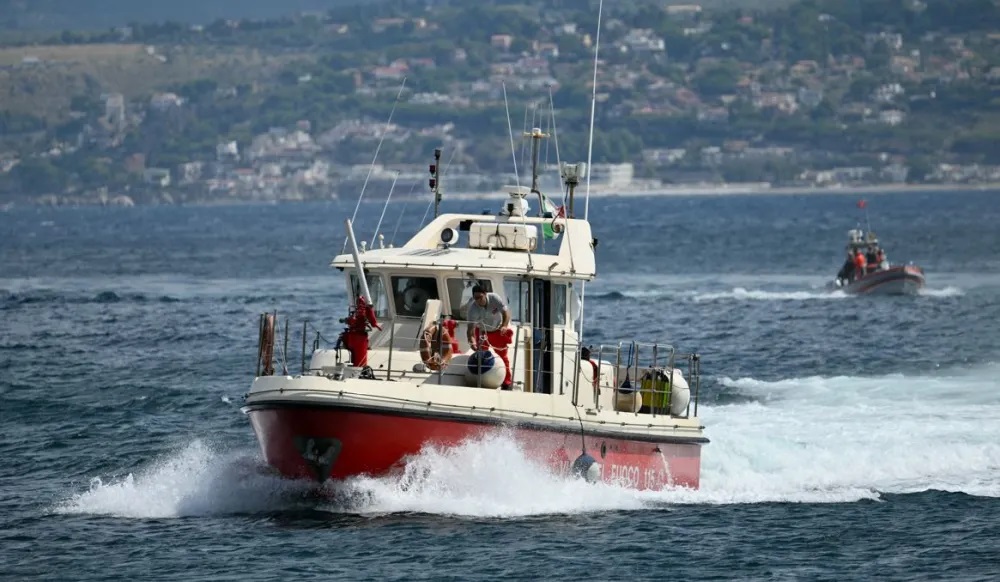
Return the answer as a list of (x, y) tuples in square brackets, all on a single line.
[(410, 294), (559, 304), (517, 292), (460, 293), (377, 289)]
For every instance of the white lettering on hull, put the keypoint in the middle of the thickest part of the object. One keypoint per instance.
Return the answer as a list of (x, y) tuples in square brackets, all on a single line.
[(636, 477), (632, 475)]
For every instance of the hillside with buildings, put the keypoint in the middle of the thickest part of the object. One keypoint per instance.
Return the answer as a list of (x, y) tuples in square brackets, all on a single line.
[(815, 93)]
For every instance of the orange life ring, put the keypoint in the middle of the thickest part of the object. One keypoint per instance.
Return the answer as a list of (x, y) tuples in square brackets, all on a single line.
[(435, 347)]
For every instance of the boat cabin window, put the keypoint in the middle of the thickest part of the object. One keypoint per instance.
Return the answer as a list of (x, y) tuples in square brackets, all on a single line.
[(377, 289), (516, 293), (410, 294), (559, 291), (460, 293), (575, 307)]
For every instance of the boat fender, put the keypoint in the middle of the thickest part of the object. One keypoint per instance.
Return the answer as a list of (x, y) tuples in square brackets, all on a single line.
[(587, 468), (435, 347), (481, 362), (484, 370)]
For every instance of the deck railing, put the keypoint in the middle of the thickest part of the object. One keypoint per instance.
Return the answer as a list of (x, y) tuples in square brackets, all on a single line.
[(649, 368)]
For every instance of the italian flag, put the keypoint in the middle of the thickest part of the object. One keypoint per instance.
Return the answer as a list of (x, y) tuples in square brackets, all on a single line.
[(549, 230)]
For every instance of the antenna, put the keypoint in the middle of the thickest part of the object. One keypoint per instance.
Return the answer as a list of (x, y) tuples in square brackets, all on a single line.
[(385, 130), (510, 131), (590, 152), (593, 108), (555, 138), (524, 129), (435, 180), (402, 212), (384, 208), (433, 199)]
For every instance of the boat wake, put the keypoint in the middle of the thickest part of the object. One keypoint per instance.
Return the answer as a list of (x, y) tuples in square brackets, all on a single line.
[(744, 294), (486, 477), (748, 288), (196, 480), (847, 438), (735, 293), (943, 292), (811, 440)]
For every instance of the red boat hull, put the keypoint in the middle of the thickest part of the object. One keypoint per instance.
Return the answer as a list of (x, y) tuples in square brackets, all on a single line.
[(344, 442), (898, 280)]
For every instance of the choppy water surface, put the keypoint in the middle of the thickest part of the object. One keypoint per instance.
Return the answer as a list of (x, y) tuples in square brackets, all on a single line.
[(851, 437)]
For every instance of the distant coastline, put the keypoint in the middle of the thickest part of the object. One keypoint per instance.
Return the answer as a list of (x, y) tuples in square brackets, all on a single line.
[(757, 189), (708, 190)]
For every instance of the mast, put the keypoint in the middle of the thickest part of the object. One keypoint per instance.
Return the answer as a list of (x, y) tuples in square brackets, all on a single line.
[(536, 136)]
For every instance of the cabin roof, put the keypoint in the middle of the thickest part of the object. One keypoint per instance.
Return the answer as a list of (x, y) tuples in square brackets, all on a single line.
[(570, 256)]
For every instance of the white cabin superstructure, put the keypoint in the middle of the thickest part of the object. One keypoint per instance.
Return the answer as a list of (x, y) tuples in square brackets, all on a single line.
[(426, 280)]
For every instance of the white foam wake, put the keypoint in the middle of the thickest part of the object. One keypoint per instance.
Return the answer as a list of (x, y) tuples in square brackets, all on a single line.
[(949, 291), (488, 477), (846, 438), (744, 294), (196, 480), (814, 439)]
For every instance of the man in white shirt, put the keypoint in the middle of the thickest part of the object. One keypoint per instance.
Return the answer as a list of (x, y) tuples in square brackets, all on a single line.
[(489, 314)]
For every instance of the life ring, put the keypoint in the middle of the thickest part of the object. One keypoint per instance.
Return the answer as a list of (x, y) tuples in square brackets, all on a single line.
[(435, 347)]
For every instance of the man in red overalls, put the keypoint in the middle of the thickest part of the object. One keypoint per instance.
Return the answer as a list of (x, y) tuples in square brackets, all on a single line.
[(488, 313), (860, 264)]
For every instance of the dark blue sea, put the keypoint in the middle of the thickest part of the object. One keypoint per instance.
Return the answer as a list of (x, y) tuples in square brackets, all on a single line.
[(852, 438)]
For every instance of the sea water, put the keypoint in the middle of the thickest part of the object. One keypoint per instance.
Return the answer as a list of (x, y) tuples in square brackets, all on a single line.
[(851, 437)]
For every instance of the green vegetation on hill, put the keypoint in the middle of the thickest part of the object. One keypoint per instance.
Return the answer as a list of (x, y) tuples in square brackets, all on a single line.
[(98, 14), (743, 73)]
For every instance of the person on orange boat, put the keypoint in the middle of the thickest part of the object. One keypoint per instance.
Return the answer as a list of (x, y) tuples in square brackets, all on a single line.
[(488, 313), (871, 258), (846, 272), (860, 264), (880, 261)]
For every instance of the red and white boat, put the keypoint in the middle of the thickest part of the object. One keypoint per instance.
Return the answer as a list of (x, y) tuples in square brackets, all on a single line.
[(878, 277), (403, 377)]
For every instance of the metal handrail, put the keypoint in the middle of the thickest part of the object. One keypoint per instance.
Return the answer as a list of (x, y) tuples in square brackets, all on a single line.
[(648, 362)]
